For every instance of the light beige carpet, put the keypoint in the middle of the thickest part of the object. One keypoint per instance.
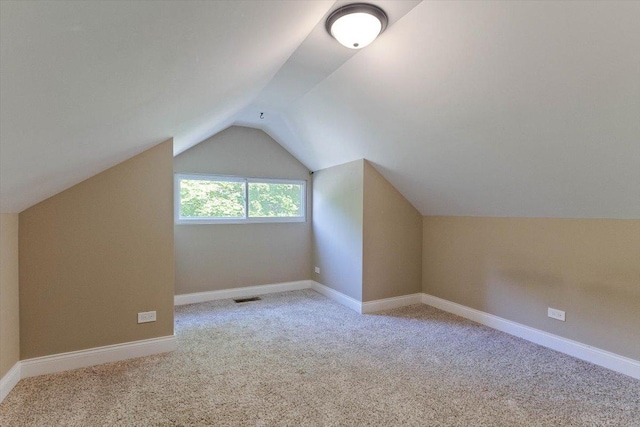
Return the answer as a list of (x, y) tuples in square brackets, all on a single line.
[(299, 359)]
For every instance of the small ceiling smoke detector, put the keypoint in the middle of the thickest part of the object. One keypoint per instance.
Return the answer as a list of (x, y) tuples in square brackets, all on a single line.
[(356, 25)]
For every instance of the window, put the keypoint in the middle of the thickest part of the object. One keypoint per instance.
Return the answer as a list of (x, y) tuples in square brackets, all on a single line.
[(215, 199)]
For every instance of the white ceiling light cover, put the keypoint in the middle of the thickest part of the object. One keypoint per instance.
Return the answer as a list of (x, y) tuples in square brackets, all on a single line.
[(357, 25)]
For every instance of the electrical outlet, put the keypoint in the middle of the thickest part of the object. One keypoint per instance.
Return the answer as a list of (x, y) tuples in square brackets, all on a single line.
[(147, 316), (555, 314), (317, 270)]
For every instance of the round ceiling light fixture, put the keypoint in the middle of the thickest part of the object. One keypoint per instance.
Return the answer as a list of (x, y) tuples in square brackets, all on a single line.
[(356, 25)]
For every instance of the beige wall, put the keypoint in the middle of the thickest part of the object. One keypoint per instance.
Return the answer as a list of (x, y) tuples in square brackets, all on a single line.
[(223, 256), (337, 227), (367, 238), (517, 267), (95, 255), (9, 304), (392, 240)]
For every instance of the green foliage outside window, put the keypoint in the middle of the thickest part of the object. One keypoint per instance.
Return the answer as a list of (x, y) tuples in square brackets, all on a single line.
[(211, 199), (274, 200), (201, 198)]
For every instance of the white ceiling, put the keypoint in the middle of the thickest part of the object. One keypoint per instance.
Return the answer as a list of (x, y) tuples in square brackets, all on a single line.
[(86, 85), (468, 108)]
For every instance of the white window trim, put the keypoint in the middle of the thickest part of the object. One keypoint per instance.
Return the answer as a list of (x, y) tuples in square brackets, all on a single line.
[(246, 219)]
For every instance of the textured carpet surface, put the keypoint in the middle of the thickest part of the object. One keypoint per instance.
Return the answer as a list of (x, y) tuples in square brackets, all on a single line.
[(299, 359)]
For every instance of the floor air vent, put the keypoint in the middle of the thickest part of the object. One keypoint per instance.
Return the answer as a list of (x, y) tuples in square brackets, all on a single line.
[(240, 300)]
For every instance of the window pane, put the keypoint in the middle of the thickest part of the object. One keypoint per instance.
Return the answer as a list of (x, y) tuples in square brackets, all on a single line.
[(275, 200), (211, 199)]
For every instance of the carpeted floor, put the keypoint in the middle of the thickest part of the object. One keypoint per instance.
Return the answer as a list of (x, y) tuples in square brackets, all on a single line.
[(299, 359)]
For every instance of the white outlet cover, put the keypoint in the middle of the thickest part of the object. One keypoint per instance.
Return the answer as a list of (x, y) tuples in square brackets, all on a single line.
[(146, 316), (556, 314), (317, 270)]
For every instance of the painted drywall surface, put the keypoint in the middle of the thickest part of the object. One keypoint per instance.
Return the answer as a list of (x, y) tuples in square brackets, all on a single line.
[(516, 268), (95, 255), (222, 256), (9, 305), (103, 80), (392, 240), (337, 227), (518, 108)]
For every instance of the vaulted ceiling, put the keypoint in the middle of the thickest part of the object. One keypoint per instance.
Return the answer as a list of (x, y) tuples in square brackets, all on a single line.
[(468, 108)]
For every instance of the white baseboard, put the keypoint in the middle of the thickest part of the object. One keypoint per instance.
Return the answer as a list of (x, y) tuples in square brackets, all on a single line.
[(390, 303), (339, 297), (597, 356), (247, 291), (96, 356), (9, 381), (83, 358), (112, 353)]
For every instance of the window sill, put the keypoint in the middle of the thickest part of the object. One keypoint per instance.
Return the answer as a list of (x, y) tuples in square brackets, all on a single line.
[(240, 221)]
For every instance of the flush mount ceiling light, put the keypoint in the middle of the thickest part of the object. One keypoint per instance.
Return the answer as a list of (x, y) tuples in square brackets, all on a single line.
[(356, 25)]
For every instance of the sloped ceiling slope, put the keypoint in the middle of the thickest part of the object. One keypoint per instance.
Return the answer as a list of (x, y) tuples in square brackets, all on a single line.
[(468, 108), (85, 85), (491, 109)]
